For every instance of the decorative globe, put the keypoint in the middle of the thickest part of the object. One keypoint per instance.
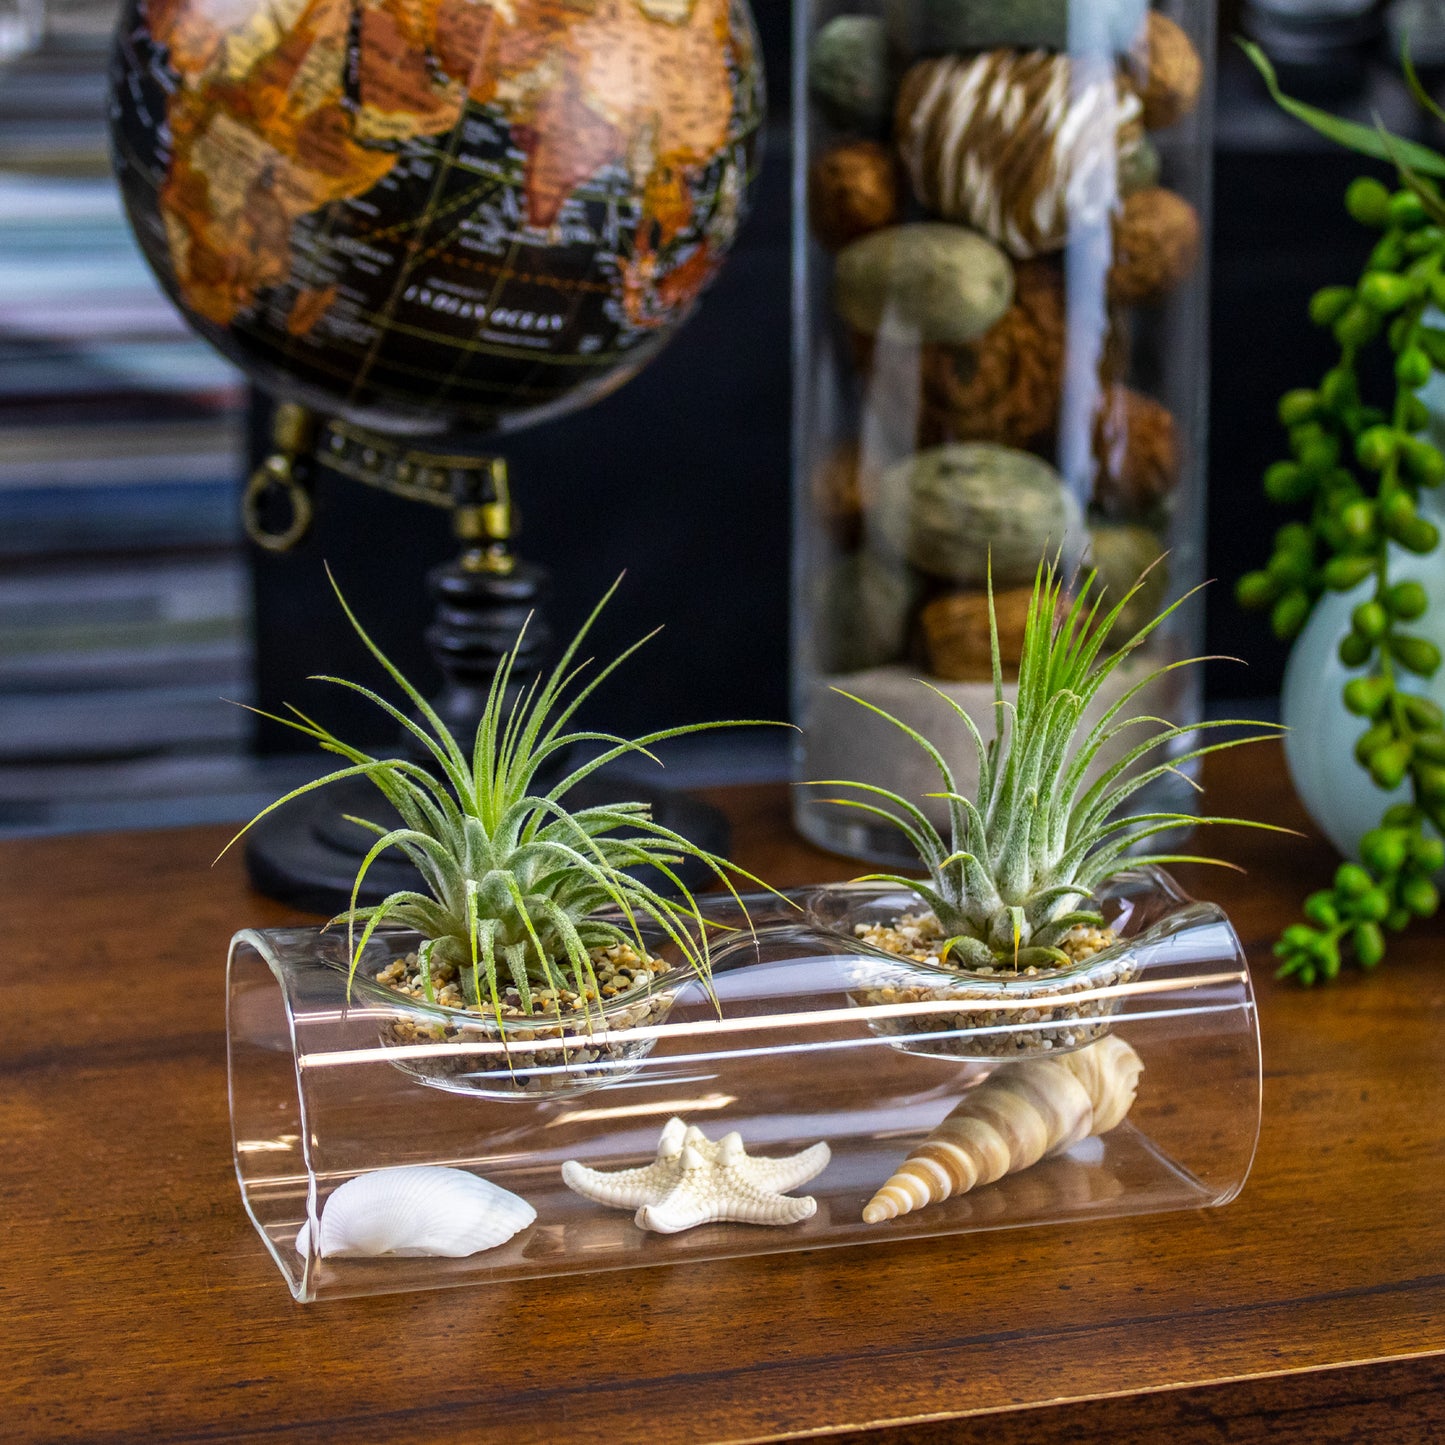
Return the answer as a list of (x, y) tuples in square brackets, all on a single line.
[(426, 215)]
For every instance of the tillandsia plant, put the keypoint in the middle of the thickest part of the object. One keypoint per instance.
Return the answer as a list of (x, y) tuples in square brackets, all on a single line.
[(1359, 468), (1047, 826), (520, 888)]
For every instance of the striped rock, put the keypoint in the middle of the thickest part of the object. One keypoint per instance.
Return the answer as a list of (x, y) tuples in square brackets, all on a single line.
[(1022, 146)]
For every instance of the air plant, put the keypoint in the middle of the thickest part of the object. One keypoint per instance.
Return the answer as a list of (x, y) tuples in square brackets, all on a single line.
[(1046, 828), (520, 889)]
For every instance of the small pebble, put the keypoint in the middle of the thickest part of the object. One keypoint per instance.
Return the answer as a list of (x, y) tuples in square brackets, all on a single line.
[(915, 937)]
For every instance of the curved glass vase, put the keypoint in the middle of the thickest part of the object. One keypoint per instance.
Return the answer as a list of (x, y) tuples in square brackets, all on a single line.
[(789, 1048)]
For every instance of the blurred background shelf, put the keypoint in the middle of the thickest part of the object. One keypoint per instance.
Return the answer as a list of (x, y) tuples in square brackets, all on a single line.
[(124, 593)]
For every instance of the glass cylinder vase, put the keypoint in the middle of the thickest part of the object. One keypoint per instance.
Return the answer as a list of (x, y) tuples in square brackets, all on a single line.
[(1000, 331), (380, 1149)]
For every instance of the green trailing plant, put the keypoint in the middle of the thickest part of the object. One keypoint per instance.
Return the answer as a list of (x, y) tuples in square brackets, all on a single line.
[(1358, 467), (1048, 824), (520, 889)]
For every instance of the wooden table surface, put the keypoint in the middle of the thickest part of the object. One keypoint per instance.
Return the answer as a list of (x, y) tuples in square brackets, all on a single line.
[(139, 1305)]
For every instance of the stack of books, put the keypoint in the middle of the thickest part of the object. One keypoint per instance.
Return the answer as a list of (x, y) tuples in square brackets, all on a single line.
[(124, 610)]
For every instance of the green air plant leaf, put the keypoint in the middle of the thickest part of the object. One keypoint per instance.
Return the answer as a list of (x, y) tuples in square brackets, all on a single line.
[(520, 890), (1046, 827), (1423, 98), (1363, 139)]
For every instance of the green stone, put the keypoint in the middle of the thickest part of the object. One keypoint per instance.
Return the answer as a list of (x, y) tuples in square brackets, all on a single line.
[(1139, 166), (1120, 553), (927, 282), (849, 76), (951, 509), (925, 27), (864, 608)]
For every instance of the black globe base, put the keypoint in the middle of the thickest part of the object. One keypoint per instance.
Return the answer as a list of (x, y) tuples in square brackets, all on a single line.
[(307, 855)]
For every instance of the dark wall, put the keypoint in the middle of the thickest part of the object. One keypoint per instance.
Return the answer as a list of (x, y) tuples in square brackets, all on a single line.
[(1280, 235)]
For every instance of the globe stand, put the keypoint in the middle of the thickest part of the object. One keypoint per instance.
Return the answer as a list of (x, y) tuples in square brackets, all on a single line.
[(307, 853)]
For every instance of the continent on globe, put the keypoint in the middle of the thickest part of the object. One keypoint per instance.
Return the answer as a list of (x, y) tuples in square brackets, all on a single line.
[(426, 214)]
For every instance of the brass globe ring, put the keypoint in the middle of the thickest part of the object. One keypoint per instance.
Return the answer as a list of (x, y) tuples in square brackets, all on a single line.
[(276, 473)]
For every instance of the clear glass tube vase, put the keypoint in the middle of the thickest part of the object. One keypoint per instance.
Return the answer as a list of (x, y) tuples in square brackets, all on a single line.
[(808, 1036), (1000, 304)]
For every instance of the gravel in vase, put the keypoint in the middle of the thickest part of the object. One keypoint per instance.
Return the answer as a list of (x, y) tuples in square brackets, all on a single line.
[(1035, 1014), (622, 1000)]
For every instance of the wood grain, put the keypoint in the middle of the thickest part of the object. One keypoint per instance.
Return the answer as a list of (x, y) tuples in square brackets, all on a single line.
[(140, 1306)]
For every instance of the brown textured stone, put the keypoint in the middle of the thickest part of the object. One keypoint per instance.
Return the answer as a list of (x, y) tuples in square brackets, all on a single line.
[(956, 633), (1002, 388), (1167, 71), (1156, 245), (1005, 387), (840, 484), (853, 188), (1137, 451)]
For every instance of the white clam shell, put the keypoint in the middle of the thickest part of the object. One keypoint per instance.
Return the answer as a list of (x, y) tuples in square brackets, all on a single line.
[(416, 1211)]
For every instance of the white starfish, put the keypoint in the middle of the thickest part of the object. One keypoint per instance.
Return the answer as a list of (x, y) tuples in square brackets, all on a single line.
[(696, 1181)]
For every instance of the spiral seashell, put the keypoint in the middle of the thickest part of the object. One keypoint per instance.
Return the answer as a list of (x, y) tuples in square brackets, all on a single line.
[(1019, 1114), (416, 1211), (1021, 145)]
